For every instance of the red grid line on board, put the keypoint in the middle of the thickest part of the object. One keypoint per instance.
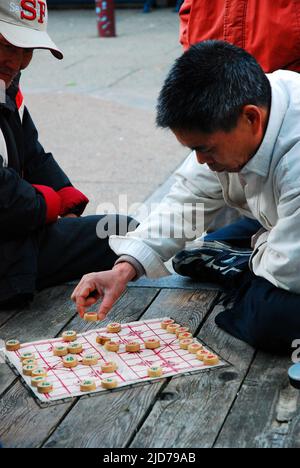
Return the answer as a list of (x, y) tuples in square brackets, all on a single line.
[(92, 346)]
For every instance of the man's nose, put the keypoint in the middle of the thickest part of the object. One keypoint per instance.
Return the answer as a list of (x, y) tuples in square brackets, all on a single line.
[(203, 158)]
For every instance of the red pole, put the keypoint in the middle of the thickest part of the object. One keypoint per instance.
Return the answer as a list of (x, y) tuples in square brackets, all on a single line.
[(105, 11)]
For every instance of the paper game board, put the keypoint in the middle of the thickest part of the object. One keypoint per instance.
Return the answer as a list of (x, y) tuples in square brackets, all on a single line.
[(132, 367)]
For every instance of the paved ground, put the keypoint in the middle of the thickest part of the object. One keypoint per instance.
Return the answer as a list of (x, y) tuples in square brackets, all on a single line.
[(96, 109)]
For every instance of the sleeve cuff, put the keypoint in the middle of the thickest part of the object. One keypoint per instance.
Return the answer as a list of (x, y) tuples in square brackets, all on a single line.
[(72, 201), (52, 200), (135, 263)]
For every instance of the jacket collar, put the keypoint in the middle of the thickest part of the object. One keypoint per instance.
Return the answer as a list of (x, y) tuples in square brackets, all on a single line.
[(261, 161), (11, 94)]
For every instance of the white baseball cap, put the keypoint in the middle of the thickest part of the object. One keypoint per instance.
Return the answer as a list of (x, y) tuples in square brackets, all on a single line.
[(23, 23)]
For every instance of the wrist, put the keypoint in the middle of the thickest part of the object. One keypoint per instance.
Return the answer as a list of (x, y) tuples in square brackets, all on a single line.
[(126, 271)]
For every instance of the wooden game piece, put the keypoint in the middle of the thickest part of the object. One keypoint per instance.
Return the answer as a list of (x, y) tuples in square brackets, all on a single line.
[(181, 330), (101, 339), (184, 344), (70, 361), (172, 328), (27, 355), (109, 383), (75, 348), (12, 345), (194, 348), (90, 360), (185, 336), (39, 372), (155, 371), (114, 328), (112, 346), (69, 335), (37, 380), (45, 387), (88, 385), (165, 323), (211, 360), (91, 316), (109, 367), (27, 370), (60, 350), (202, 354), (133, 347), (27, 362), (152, 343)]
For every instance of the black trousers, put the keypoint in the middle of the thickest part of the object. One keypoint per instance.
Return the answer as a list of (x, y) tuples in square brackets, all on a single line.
[(71, 248), (266, 317)]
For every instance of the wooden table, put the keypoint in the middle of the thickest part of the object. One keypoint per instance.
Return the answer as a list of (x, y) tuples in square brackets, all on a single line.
[(247, 405)]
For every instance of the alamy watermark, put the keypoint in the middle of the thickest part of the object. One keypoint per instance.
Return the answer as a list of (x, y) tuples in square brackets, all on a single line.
[(165, 220), (2, 92)]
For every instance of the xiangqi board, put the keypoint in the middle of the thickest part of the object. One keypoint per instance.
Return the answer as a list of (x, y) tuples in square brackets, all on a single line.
[(157, 353)]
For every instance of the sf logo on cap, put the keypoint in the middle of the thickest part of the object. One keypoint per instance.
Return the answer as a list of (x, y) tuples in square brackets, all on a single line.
[(32, 9)]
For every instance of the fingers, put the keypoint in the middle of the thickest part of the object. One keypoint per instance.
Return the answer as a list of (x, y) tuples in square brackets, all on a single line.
[(85, 295)]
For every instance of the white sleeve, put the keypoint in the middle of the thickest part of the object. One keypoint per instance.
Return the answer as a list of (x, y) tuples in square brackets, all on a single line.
[(183, 215)]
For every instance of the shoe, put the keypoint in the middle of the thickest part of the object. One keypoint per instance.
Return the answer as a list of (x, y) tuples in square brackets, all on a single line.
[(212, 262)]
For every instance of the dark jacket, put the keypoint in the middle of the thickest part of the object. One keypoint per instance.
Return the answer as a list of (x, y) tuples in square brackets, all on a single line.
[(24, 209)]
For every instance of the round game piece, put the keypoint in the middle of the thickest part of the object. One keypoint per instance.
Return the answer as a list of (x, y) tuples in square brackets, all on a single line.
[(202, 354), (152, 343), (39, 372), (165, 323), (194, 348), (172, 328), (27, 355), (155, 371), (88, 385), (37, 380), (45, 387), (101, 339), (294, 375), (109, 367), (70, 361), (133, 347), (185, 336), (184, 344), (60, 350), (69, 335), (91, 316), (109, 383), (114, 328), (27, 370), (75, 348), (12, 345), (211, 360), (112, 346), (181, 330), (27, 362), (90, 360)]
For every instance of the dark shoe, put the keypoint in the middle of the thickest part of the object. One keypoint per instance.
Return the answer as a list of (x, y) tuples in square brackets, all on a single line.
[(212, 262)]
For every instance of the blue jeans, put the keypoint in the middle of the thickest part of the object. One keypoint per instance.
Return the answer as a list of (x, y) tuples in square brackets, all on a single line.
[(261, 314)]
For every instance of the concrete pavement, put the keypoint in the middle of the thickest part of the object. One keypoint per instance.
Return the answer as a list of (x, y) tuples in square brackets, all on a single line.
[(95, 110)]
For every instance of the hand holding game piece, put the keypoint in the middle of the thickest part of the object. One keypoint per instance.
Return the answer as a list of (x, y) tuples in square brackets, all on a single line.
[(12, 345), (107, 285)]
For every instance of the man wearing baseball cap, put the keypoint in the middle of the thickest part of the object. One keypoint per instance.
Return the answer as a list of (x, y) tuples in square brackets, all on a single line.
[(43, 239)]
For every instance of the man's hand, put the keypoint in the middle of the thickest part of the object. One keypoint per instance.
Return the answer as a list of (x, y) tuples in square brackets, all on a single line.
[(106, 285), (70, 215)]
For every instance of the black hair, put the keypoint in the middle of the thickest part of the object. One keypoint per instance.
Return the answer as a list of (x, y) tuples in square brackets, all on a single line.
[(208, 86)]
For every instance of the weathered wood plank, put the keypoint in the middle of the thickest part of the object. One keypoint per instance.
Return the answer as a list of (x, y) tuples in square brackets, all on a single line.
[(24, 433), (6, 315), (267, 410), (125, 410), (190, 411)]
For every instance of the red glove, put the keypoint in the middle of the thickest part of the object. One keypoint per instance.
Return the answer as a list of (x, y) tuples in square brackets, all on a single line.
[(53, 202), (72, 201)]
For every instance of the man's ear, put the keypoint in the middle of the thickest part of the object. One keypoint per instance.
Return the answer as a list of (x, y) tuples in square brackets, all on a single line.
[(253, 115)]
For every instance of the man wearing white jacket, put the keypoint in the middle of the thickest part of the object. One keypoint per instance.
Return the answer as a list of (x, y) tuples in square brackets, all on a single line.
[(244, 130)]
